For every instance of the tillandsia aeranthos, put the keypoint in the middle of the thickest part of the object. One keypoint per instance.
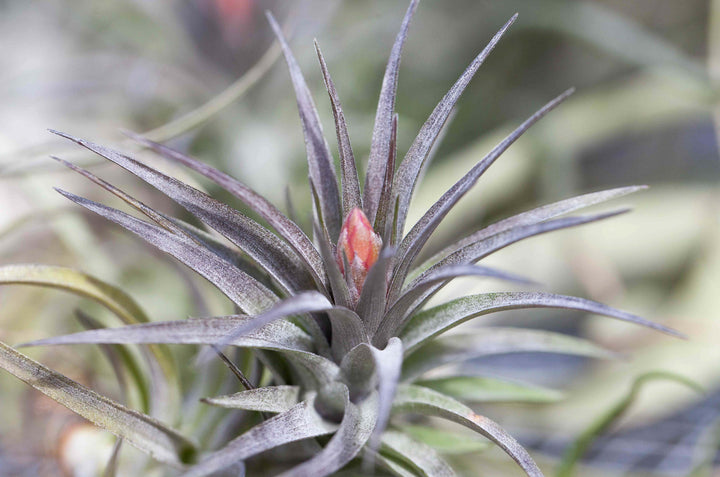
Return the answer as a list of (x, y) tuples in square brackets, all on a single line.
[(338, 321)]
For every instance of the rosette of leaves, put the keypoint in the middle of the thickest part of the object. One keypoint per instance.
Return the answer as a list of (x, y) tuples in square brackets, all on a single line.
[(336, 317)]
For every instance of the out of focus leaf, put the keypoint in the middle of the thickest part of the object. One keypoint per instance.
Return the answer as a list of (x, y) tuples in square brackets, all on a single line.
[(482, 389)]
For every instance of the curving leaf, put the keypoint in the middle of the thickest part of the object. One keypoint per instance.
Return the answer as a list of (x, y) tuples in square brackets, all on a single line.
[(413, 164), (417, 293), (354, 431), (273, 254), (140, 430), (429, 323), (287, 228), (348, 331), (300, 422), (266, 399), (575, 452), (535, 216), (112, 298), (384, 218), (444, 441), (371, 305), (320, 161), (420, 233), (431, 403), (491, 341), (351, 195), (242, 289), (483, 389), (338, 285), (382, 131), (388, 364), (421, 458)]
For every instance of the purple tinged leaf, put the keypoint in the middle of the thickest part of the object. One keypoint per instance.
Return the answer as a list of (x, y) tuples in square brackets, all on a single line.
[(338, 284), (534, 216), (417, 293), (300, 422), (348, 331), (286, 227), (420, 233), (431, 403), (351, 196), (276, 336), (266, 399), (411, 167), (347, 442), (371, 305), (150, 436), (384, 218), (270, 252), (320, 162), (242, 289), (381, 137), (434, 321), (492, 341)]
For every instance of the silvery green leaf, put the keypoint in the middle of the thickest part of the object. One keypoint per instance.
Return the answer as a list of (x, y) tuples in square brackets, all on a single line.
[(265, 399), (351, 195), (484, 389), (287, 228), (300, 422), (445, 441), (320, 162), (274, 255), (354, 431), (535, 216), (388, 364), (425, 401), (429, 323), (413, 164), (417, 293), (387, 463), (384, 218), (491, 341), (420, 233), (380, 145), (140, 430), (423, 459), (242, 289)]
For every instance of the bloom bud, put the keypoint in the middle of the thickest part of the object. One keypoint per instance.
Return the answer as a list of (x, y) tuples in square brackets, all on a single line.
[(361, 245)]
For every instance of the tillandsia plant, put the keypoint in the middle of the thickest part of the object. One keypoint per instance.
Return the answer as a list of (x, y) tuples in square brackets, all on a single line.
[(339, 333)]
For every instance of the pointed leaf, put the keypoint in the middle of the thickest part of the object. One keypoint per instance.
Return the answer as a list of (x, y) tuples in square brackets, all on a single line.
[(483, 389), (348, 331), (425, 401), (371, 305), (143, 432), (413, 164), (351, 196), (535, 216), (242, 289), (420, 233), (417, 293), (286, 227), (491, 341), (271, 253), (265, 399), (320, 161), (429, 323), (380, 145), (298, 423), (338, 285), (420, 457), (388, 364), (355, 429), (384, 218)]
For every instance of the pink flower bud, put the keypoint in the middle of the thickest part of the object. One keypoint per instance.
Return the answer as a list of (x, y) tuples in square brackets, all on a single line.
[(361, 245)]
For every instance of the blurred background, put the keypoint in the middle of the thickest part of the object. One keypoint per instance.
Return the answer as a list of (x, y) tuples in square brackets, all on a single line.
[(198, 74)]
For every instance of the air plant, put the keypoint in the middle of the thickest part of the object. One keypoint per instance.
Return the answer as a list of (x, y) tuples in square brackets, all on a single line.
[(340, 333)]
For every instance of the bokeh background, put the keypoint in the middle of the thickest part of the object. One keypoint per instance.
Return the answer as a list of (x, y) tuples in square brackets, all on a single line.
[(646, 73)]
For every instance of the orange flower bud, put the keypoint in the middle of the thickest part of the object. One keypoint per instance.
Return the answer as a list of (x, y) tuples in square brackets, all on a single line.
[(361, 245)]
